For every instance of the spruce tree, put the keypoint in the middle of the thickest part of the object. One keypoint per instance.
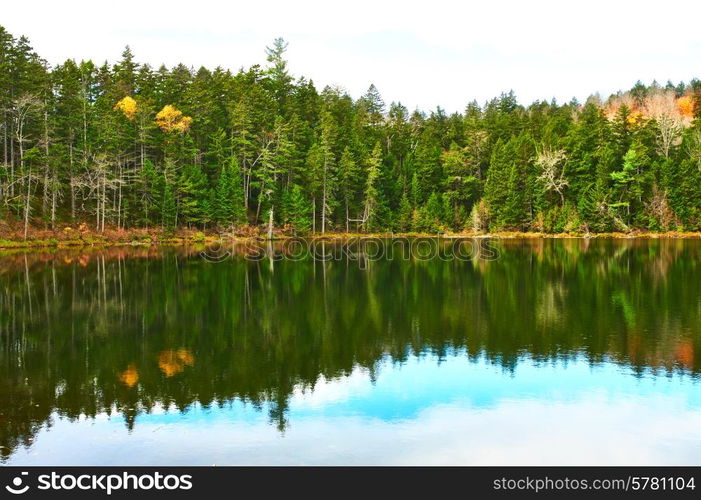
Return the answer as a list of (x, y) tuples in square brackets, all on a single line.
[(374, 213), (405, 214), (300, 210), (167, 207), (228, 203)]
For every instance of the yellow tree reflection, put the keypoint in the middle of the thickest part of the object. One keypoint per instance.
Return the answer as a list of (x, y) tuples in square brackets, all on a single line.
[(172, 362), (130, 376)]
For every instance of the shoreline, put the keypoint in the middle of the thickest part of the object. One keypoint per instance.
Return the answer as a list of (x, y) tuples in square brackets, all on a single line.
[(70, 238)]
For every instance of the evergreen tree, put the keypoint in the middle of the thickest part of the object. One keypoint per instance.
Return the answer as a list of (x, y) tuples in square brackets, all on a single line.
[(149, 190), (299, 211), (193, 196), (228, 203), (167, 207), (374, 213), (279, 76), (405, 214), (496, 188), (348, 182)]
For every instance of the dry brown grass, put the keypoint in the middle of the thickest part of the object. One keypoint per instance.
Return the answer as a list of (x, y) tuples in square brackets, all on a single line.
[(12, 235)]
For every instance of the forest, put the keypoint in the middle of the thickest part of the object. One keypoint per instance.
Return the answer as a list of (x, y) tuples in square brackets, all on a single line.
[(132, 146)]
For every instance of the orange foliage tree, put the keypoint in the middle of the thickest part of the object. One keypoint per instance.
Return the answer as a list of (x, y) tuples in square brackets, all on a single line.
[(686, 106)]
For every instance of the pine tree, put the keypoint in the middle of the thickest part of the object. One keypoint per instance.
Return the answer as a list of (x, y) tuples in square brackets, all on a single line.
[(434, 215), (427, 168), (514, 213), (167, 207), (405, 214), (228, 203), (280, 78), (313, 180), (192, 196), (299, 211), (685, 195), (348, 182), (496, 188), (373, 105), (374, 216), (149, 185), (328, 171)]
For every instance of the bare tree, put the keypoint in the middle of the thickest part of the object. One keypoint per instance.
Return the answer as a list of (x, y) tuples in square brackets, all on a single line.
[(662, 107), (22, 109), (98, 180), (552, 166), (615, 103)]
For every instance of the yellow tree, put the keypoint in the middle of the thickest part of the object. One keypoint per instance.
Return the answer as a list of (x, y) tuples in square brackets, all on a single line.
[(171, 119), (127, 106)]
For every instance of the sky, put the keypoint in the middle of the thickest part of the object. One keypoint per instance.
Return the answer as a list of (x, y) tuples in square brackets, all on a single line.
[(423, 54), (457, 412)]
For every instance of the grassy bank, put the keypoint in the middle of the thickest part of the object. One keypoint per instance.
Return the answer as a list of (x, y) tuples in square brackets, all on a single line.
[(82, 236), (516, 234)]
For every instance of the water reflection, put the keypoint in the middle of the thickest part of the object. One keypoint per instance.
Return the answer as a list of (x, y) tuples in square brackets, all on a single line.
[(129, 332), (173, 362), (130, 376)]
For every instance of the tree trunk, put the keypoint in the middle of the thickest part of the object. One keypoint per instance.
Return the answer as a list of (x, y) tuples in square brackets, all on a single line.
[(45, 194), (104, 203), (85, 124), (270, 224), (120, 221), (142, 140), (26, 204), (246, 185), (4, 138), (12, 162), (4, 146), (260, 201), (119, 199), (72, 181), (97, 206), (20, 142), (323, 209), (45, 201), (53, 205)]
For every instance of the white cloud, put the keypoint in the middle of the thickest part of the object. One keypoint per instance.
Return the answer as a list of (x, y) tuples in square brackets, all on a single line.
[(594, 429), (326, 391)]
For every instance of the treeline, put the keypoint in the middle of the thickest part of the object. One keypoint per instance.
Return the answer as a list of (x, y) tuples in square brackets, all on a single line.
[(129, 146)]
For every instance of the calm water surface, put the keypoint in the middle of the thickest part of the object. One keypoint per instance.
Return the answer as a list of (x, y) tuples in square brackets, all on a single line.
[(556, 351)]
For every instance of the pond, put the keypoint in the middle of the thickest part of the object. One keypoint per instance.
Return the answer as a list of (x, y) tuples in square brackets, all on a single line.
[(523, 351)]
